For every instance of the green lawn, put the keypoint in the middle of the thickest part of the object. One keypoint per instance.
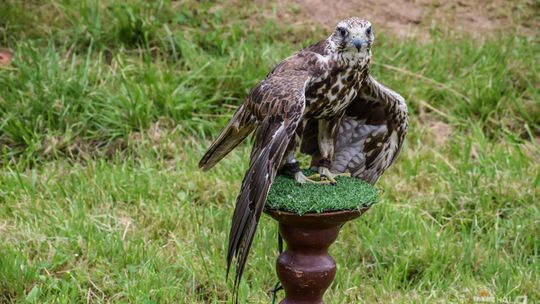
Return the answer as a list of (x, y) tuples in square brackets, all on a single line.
[(107, 108)]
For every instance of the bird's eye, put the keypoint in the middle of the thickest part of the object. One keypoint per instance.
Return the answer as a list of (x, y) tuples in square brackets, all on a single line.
[(368, 31), (343, 32)]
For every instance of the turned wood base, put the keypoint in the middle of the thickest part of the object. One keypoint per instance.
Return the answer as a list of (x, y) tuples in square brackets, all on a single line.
[(305, 269)]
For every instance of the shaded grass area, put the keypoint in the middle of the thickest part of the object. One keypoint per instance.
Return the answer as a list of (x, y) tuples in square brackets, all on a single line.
[(107, 108), (349, 193)]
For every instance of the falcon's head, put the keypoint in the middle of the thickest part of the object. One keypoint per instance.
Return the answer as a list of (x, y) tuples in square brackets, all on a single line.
[(353, 35)]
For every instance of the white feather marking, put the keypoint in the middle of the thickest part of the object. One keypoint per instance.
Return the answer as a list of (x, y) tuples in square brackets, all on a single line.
[(323, 59), (393, 143)]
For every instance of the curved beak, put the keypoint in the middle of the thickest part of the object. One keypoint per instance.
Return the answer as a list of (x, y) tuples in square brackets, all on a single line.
[(357, 42)]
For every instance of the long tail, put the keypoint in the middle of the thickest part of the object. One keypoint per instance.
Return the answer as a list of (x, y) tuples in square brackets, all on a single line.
[(238, 128)]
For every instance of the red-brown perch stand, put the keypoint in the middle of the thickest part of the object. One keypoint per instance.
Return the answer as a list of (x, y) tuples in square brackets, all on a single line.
[(305, 268), (310, 217)]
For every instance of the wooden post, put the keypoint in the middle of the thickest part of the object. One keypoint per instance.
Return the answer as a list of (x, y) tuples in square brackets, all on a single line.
[(305, 269)]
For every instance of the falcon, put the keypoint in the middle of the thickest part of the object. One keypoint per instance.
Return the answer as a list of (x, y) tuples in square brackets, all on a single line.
[(323, 102)]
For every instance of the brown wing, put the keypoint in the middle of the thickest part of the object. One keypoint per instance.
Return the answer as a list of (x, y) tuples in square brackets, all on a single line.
[(255, 108), (371, 133), (279, 102)]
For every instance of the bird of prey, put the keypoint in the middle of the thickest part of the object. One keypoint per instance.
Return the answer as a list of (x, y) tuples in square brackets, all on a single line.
[(323, 102)]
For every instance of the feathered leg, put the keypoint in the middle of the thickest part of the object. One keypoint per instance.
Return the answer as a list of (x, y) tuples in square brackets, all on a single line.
[(326, 134), (291, 166)]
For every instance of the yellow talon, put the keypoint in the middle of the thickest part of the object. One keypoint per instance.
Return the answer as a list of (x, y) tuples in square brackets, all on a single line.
[(322, 179), (312, 179), (326, 178)]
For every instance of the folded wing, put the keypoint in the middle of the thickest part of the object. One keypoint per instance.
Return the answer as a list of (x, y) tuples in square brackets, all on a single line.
[(278, 102)]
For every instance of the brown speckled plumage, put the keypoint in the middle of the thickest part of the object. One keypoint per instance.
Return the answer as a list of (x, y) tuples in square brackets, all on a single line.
[(323, 93)]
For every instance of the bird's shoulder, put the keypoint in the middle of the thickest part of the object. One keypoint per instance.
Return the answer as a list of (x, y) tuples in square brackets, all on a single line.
[(284, 87), (311, 61)]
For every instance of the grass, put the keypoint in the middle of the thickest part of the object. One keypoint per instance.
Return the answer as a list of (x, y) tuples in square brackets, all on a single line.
[(108, 106), (348, 194)]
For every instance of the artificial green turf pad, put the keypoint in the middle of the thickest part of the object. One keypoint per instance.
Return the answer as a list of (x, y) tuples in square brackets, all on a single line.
[(348, 194)]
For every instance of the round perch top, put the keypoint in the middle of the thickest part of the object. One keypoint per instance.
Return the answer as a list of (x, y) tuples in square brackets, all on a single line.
[(349, 193)]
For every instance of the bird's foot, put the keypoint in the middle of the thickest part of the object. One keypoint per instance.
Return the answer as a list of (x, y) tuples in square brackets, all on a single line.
[(327, 176), (302, 179)]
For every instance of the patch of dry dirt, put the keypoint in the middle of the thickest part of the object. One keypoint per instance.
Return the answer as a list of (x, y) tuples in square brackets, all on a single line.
[(410, 17), (441, 131), (5, 57)]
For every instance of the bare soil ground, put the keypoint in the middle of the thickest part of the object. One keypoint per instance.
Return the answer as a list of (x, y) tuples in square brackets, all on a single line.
[(412, 17)]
